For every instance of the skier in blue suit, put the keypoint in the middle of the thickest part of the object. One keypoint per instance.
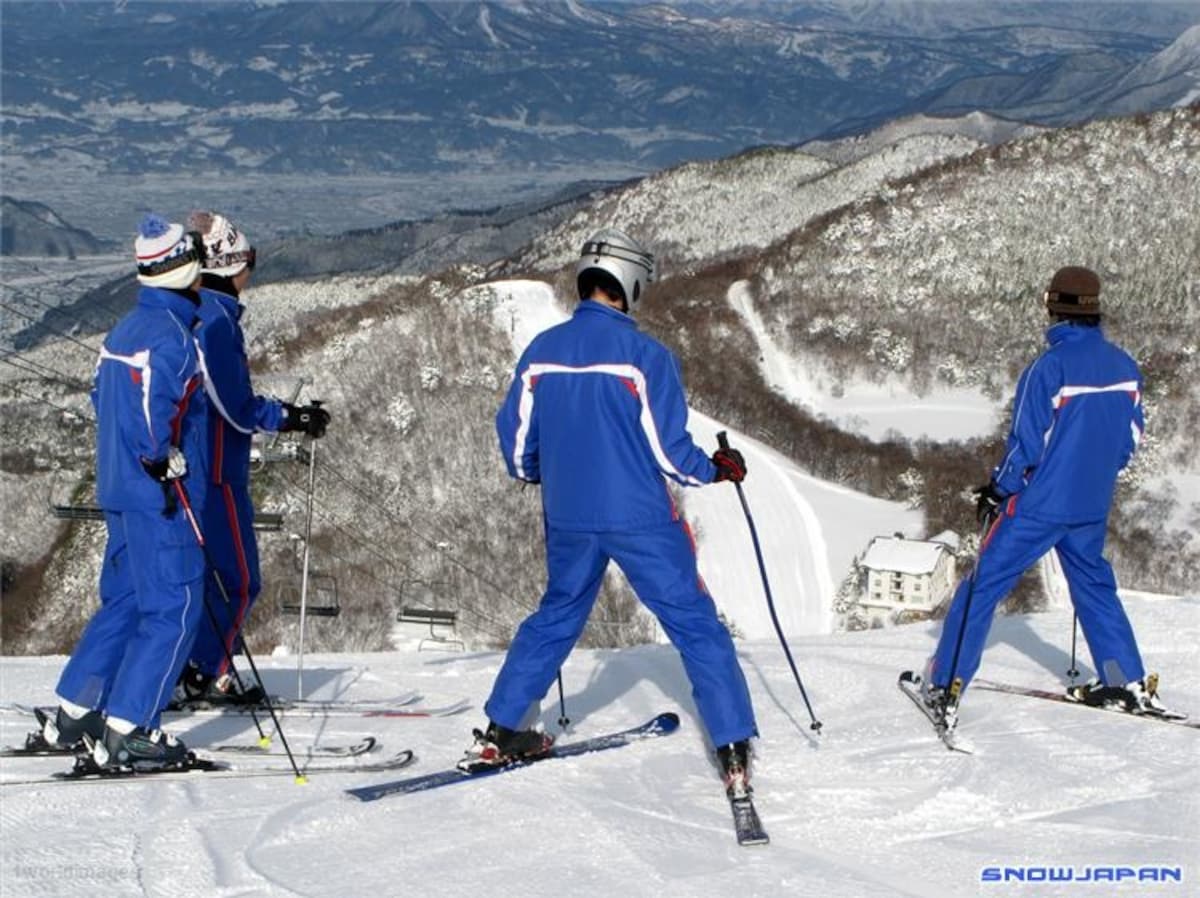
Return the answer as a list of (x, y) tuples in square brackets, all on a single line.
[(236, 413), (1077, 419), (597, 415), (150, 461)]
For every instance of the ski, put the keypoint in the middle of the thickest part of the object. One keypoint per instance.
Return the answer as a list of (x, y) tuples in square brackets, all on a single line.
[(353, 750), (37, 747), (746, 824), (293, 709), (290, 704), (910, 685), (658, 726), (86, 771), (334, 709), (443, 711), (1066, 698)]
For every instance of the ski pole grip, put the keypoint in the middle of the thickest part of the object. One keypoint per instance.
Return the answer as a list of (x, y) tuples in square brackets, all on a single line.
[(723, 439)]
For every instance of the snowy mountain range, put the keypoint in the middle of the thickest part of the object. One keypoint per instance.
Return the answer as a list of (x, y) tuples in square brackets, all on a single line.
[(34, 229), (767, 257), (124, 99)]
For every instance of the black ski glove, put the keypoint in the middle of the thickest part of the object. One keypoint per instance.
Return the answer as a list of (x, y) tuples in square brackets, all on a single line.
[(730, 465), (312, 419), (164, 470), (988, 500)]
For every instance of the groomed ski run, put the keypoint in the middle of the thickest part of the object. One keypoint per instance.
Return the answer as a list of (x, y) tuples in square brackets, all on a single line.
[(858, 813)]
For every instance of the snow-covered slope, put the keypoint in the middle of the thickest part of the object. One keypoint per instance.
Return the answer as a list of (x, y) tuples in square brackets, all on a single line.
[(701, 211), (858, 405), (977, 126), (873, 808)]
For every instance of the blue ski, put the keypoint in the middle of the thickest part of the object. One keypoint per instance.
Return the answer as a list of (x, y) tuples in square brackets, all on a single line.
[(659, 726)]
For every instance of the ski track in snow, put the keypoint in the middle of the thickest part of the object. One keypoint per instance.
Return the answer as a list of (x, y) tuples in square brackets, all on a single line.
[(871, 410), (874, 806)]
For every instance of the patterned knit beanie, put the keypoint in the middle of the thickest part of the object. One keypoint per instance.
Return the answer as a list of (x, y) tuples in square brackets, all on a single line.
[(167, 256), (226, 249)]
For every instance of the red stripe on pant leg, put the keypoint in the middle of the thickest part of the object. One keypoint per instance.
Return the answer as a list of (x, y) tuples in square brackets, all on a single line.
[(243, 574), (1008, 508), (687, 528), (218, 465)]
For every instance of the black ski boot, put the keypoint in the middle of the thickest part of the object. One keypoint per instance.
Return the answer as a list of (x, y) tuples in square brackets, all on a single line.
[(1136, 697), (64, 731), (198, 690), (941, 704), (139, 748), (191, 689), (225, 691), (735, 767), (499, 745)]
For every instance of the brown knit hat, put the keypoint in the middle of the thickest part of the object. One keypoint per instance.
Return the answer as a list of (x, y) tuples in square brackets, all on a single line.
[(1074, 291)]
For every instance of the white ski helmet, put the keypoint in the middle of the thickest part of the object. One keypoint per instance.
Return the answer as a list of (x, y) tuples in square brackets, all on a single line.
[(614, 261)]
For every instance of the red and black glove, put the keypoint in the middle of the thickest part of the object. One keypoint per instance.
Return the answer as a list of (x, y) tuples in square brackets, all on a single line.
[(730, 465)]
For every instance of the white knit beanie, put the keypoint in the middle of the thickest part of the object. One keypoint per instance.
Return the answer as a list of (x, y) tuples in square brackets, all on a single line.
[(226, 249), (167, 256)]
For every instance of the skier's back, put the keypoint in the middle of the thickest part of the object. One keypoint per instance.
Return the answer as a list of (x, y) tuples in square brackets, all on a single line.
[(1076, 421), (597, 414)]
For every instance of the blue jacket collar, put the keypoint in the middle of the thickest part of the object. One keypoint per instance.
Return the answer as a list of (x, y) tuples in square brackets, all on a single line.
[(590, 306), (227, 301), (1061, 331), (171, 300)]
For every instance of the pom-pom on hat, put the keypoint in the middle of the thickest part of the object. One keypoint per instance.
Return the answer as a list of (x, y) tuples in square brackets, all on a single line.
[(167, 256), (226, 249), (1074, 291)]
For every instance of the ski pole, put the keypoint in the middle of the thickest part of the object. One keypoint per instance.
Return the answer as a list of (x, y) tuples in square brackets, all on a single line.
[(723, 442), (1073, 673), (312, 473), (563, 720), (956, 681), (191, 516)]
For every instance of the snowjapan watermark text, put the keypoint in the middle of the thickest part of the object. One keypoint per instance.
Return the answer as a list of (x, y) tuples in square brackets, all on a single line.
[(1093, 874)]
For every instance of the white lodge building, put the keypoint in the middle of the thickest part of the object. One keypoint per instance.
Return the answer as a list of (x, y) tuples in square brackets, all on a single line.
[(909, 574)]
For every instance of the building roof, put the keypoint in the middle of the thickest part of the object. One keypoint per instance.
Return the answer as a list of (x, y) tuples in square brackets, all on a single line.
[(948, 538), (905, 556)]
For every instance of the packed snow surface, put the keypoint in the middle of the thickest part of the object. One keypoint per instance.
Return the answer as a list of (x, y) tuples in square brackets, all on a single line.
[(874, 806)]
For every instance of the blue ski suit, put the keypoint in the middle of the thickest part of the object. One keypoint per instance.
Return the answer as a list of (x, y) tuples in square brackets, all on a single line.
[(148, 398), (235, 414), (1077, 419), (597, 414)]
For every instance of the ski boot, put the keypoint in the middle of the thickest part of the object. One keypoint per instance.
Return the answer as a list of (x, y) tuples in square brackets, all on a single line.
[(196, 689), (942, 704), (191, 689), (139, 749), (1135, 697), (498, 745), (735, 768), (225, 690), (63, 731)]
